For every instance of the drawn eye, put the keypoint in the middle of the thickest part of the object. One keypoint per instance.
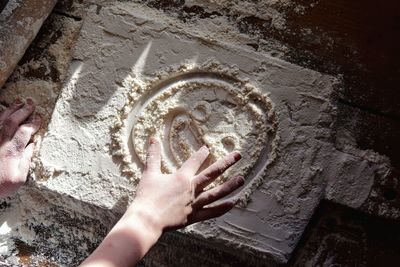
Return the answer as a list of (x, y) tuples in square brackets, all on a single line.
[(201, 111), (230, 143)]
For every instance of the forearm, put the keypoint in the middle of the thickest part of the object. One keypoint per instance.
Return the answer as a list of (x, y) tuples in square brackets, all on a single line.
[(165, 201), (129, 240)]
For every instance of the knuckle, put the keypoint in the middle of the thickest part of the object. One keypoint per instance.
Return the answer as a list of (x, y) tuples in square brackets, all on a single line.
[(201, 180), (11, 152), (212, 196)]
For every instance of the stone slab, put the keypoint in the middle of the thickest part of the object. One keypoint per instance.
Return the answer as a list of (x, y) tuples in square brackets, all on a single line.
[(125, 42)]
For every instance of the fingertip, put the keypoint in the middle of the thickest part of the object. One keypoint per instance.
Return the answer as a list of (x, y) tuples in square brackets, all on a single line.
[(236, 155), (228, 205), (204, 149), (240, 180), (30, 101)]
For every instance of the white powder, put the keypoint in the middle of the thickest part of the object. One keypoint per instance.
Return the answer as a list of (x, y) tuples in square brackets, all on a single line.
[(189, 108)]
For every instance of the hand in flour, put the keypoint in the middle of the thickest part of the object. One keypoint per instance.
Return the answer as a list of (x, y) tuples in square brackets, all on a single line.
[(175, 200), (17, 125), (164, 202)]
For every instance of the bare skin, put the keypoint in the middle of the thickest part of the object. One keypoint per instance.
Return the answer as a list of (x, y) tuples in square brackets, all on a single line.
[(164, 202), (18, 124)]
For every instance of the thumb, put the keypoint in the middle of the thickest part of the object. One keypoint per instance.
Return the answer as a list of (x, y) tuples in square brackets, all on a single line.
[(25, 161)]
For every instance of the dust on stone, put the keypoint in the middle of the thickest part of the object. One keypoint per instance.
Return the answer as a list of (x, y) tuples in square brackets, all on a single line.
[(199, 108)]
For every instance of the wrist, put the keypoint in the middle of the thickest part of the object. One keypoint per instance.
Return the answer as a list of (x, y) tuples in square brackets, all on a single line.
[(139, 217), (128, 241)]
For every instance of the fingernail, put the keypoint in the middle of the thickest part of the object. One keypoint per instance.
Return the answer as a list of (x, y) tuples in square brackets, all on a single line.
[(240, 180), (30, 101), (237, 155)]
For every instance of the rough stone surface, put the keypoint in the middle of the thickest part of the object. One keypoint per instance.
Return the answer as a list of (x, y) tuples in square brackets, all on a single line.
[(124, 48)]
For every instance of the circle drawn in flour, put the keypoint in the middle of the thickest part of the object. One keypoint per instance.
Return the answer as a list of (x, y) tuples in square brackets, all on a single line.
[(190, 110)]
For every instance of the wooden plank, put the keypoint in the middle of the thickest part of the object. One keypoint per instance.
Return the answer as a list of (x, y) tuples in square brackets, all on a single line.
[(17, 31)]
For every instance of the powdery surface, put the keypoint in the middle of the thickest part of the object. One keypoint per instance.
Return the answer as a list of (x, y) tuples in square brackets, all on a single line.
[(190, 107), (118, 92)]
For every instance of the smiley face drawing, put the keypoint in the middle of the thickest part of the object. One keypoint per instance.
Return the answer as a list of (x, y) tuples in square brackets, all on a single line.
[(205, 109)]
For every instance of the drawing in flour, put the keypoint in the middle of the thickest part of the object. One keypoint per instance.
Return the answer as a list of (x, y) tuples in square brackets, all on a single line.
[(190, 110)]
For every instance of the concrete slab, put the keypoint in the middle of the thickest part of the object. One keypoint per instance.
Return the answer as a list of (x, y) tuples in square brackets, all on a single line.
[(125, 59)]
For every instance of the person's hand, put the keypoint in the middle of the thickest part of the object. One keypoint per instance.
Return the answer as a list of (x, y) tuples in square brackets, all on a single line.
[(164, 202), (172, 201), (17, 125)]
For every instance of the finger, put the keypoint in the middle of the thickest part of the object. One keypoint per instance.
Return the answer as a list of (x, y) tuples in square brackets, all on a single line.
[(11, 109), (213, 171), (153, 160), (192, 165), (25, 161), (24, 133), (212, 212), (13, 121), (218, 192)]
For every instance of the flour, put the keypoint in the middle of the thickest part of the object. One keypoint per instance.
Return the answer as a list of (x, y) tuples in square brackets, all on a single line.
[(189, 109)]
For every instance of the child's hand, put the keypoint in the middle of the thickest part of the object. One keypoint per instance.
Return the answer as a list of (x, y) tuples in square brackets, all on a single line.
[(171, 201), (163, 202), (17, 125)]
